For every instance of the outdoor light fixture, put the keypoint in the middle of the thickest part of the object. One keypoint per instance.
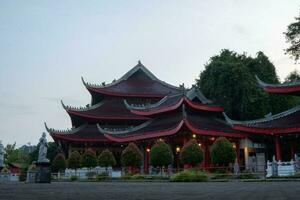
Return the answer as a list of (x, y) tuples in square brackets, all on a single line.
[(199, 144), (233, 145), (194, 135), (148, 149), (177, 149)]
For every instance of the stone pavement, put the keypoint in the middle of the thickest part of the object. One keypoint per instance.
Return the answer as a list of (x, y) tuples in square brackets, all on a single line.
[(150, 190)]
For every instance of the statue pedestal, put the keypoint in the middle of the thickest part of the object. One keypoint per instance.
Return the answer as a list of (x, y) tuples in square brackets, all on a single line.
[(43, 174)]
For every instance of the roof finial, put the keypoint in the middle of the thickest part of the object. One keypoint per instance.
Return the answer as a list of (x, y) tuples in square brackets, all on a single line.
[(139, 62)]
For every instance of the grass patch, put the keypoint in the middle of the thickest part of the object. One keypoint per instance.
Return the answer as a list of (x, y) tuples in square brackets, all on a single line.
[(189, 176)]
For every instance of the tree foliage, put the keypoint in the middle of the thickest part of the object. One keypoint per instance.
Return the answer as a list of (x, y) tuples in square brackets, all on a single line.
[(229, 80), (222, 152), (161, 154), (191, 153), (59, 163), (106, 159), (292, 36), (52, 151), (131, 156), (15, 155), (293, 77), (74, 161), (89, 159)]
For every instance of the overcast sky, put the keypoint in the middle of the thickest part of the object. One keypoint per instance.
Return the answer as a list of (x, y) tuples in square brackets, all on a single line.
[(46, 46)]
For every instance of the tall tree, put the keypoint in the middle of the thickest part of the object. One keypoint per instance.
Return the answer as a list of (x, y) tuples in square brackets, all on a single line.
[(59, 163), (191, 153), (229, 80), (293, 77), (292, 36), (106, 159), (74, 161), (89, 159), (222, 152)]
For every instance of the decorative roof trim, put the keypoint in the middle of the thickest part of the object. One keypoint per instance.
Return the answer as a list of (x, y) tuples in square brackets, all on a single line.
[(203, 106), (68, 131), (212, 132), (195, 92), (72, 108), (150, 106), (139, 66), (102, 130), (146, 135), (265, 119), (270, 131), (264, 84)]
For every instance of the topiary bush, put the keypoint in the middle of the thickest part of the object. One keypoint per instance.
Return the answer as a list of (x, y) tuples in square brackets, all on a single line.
[(89, 159), (102, 176), (191, 153), (74, 161), (106, 159), (161, 154), (131, 156), (73, 178), (189, 176), (222, 152), (59, 163)]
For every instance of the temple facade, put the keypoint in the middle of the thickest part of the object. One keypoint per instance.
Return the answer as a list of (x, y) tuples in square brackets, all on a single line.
[(141, 108)]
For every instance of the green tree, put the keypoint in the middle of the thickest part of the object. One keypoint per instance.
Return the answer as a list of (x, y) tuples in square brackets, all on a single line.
[(292, 36), (229, 80), (191, 153), (74, 161), (222, 152), (52, 151), (292, 77), (161, 155), (131, 156), (14, 155), (106, 159), (89, 159), (59, 163)]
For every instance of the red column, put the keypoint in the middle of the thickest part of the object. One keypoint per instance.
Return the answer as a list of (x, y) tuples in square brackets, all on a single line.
[(278, 147), (237, 150)]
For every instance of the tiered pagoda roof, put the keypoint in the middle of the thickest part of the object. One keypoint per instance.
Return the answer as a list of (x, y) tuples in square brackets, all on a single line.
[(115, 118), (282, 123)]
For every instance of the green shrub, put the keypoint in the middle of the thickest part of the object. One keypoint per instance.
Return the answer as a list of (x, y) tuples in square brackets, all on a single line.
[(191, 153), (59, 163), (247, 174), (74, 161), (131, 156), (222, 152), (189, 176), (102, 176), (161, 154), (23, 174), (106, 159), (138, 177), (89, 159), (127, 176), (73, 178)]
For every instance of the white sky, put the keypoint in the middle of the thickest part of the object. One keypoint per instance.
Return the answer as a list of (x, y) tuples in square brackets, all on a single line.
[(46, 46)]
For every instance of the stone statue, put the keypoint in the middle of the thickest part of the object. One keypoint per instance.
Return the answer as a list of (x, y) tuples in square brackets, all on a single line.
[(1, 155), (236, 167), (43, 149)]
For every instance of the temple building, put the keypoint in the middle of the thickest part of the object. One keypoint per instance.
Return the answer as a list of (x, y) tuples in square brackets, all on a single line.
[(141, 108), (283, 128)]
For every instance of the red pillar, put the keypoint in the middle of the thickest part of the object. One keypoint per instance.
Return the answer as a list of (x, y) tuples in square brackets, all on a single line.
[(278, 147), (237, 150)]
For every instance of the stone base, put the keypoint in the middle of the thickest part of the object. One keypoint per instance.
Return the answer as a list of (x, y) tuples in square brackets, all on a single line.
[(43, 174)]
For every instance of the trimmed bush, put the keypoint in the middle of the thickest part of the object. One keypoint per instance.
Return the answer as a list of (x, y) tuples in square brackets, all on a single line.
[(189, 176), (191, 153), (131, 156), (59, 163), (89, 159), (91, 175), (106, 159), (74, 161), (161, 154), (222, 152)]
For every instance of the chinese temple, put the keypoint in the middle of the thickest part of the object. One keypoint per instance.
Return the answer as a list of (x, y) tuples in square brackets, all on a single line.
[(140, 108)]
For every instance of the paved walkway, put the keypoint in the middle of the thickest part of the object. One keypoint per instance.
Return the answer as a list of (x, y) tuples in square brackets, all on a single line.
[(150, 190)]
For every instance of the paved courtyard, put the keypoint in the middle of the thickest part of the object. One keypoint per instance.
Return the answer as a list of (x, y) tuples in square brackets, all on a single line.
[(152, 190)]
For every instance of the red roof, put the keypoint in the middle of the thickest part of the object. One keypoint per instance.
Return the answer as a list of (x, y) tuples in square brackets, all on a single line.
[(292, 88), (138, 82), (285, 122)]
